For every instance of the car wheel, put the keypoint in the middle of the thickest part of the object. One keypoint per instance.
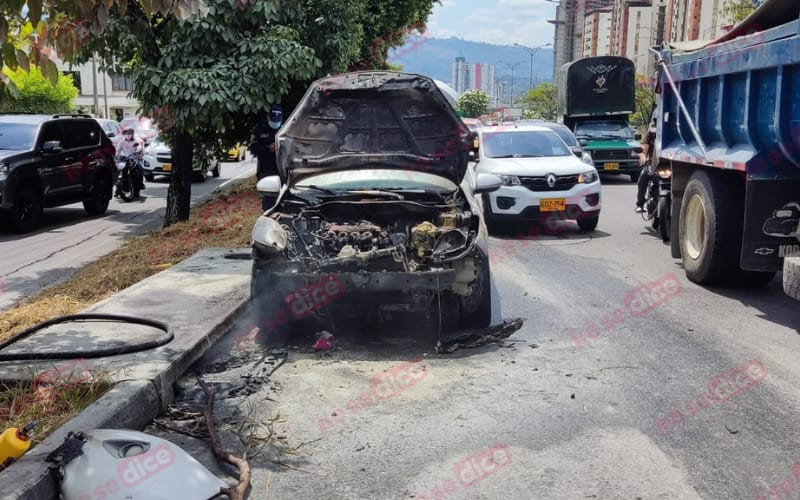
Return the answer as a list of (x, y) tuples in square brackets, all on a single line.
[(476, 309), (588, 223), (101, 196), (664, 218), (26, 214), (216, 170)]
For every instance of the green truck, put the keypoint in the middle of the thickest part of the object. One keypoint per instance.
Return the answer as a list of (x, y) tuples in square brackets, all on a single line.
[(596, 96)]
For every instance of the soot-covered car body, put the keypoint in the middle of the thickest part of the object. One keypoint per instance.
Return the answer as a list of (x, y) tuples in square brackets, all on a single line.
[(376, 207)]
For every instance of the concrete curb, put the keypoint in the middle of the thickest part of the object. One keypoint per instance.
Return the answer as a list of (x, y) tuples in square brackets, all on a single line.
[(131, 404)]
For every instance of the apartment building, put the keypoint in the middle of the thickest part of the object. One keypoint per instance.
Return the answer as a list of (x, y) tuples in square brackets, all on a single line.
[(597, 33), (101, 94)]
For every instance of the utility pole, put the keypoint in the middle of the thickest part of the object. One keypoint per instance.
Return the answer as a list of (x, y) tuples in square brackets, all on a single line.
[(512, 67), (94, 85), (532, 52)]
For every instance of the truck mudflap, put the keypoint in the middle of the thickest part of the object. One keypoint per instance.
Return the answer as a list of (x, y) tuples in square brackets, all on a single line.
[(771, 225)]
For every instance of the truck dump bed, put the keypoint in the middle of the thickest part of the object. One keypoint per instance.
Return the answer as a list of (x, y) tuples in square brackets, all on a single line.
[(743, 95)]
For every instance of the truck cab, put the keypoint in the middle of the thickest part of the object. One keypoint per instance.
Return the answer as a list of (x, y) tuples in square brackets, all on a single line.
[(613, 145)]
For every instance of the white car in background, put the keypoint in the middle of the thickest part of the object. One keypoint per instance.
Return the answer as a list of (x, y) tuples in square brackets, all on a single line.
[(543, 179), (158, 161)]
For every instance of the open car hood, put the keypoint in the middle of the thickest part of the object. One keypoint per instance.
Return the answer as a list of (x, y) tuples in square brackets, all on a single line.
[(373, 119)]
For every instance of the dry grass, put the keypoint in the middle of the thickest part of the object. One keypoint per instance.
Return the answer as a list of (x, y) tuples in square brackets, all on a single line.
[(225, 221)]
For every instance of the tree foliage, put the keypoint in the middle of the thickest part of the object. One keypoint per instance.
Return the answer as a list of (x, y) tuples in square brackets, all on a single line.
[(738, 10), (541, 101), (473, 103), (645, 100), (36, 94)]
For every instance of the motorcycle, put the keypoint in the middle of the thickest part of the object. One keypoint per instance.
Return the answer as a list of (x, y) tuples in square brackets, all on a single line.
[(658, 201), (129, 177)]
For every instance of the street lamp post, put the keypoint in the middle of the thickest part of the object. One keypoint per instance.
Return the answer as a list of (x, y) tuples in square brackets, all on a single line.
[(532, 51), (512, 67)]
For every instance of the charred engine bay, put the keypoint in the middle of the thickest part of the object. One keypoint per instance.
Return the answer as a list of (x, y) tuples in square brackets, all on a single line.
[(373, 235)]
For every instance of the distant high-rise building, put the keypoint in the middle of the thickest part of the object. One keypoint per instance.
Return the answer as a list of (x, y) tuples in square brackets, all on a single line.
[(597, 33), (569, 39), (632, 32), (468, 76), (459, 75)]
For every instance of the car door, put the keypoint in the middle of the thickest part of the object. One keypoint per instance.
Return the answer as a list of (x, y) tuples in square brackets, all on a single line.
[(82, 140), (53, 163)]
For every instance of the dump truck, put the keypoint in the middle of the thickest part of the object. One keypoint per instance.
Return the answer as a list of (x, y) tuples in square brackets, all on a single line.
[(596, 97), (729, 126)]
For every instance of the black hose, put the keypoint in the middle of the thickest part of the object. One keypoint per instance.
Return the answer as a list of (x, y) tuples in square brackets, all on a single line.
[(96, 353)]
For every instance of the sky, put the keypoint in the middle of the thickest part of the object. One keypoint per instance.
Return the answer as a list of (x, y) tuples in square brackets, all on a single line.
[(503, 22)]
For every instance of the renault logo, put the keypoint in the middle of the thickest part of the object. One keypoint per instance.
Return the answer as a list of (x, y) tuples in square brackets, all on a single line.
[(551, 180)]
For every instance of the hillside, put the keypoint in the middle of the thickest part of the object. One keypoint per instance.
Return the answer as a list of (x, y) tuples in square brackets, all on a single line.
[(433, 57)]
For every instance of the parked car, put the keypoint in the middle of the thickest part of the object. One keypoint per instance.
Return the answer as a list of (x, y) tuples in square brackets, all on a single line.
[(371, 218), (143, 126), (158, 161), (112, 129), (50, 161), (473, 124), (541, 177), (237, 153), (566, 135)]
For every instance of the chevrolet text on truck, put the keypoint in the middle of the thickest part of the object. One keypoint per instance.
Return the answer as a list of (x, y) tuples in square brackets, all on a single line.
[(729, 126), (596, 96)]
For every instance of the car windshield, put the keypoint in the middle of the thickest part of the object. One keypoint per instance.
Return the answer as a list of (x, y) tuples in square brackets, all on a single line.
[(565, 135), (607, 130), (377, 179), (522, 144), (17, 136)]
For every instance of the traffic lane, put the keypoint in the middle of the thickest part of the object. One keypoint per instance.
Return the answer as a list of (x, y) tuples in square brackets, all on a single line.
[(69, 238), (584, 418)]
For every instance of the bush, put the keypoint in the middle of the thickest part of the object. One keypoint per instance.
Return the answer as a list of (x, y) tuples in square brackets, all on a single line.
[(37, 94)]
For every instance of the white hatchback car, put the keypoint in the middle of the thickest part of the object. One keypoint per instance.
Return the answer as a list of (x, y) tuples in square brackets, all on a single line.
[(542, 178)]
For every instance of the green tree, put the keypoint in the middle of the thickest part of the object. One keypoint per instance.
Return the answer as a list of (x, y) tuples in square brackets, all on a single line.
[(473, 103), (645, 100), (36, 94), (738, 10), (541, 102)]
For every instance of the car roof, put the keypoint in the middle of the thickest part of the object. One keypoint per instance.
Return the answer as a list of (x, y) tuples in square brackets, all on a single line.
[(516, 128), (24, 118)]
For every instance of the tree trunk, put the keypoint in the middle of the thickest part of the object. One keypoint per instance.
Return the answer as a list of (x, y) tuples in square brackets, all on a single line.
[(179, 196)]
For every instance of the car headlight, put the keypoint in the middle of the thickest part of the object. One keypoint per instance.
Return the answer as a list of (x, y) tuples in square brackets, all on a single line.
[(587, 159), (268, 236), (588, 177), (510, 180), (4, 170)]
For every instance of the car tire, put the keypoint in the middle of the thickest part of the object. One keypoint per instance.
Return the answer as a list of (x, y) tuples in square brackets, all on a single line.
[(710, 232), (635, 177), (216, 170), (664, 220), (588, 223), (478, 315), (26, 214), (791, 276), (101, 193)]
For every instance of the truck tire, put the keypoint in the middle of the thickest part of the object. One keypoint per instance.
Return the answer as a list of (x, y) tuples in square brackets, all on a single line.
[(791, 276), (710, 231)]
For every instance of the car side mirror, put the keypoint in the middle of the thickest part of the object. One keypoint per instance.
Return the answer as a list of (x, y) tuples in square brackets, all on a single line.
[(486, 183), (577, 151), (269, 185), (583, 142), (473, 156), (637, 136), (52, 147)]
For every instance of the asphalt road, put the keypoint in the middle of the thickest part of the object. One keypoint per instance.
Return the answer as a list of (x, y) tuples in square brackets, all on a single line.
[(621, 415), (69, 238)]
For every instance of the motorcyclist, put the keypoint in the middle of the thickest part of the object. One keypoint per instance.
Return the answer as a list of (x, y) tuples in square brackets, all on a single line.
[(647, 159), (133, 145)]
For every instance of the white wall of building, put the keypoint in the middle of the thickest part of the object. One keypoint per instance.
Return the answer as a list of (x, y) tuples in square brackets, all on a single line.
[(640, 27), (110, 93), (597, 33)]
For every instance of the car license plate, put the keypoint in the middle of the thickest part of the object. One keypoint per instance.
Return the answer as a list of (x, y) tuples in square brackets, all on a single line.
[(167, 167), (553, 205), (610, 166)]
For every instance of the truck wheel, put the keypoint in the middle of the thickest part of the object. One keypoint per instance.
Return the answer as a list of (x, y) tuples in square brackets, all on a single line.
[(710, 230), (664, 220), (791, 276)]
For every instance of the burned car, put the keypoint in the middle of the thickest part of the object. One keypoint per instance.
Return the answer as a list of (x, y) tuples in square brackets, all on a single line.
[(375, 207)]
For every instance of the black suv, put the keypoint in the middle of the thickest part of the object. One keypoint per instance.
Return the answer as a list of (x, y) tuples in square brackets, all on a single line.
[(50, 161)]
